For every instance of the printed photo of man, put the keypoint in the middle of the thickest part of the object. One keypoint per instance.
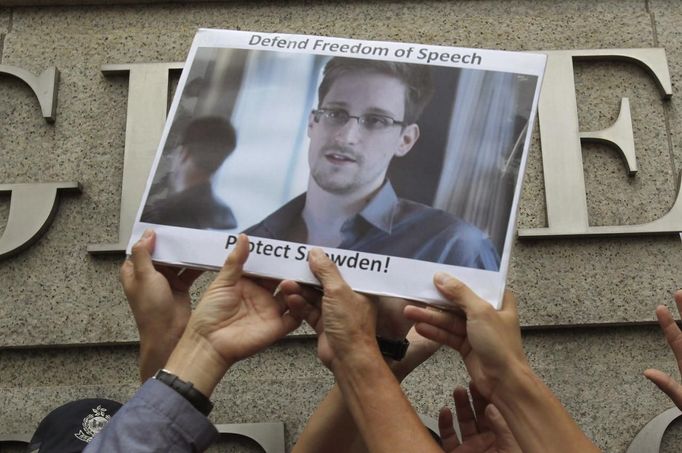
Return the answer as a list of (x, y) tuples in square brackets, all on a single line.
[(367, 114)]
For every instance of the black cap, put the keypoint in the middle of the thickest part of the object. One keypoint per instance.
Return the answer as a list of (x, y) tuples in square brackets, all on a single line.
[(70, 427)]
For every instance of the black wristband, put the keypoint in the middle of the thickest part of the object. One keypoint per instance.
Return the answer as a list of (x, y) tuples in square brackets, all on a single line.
[(393, 349), (187, 390)]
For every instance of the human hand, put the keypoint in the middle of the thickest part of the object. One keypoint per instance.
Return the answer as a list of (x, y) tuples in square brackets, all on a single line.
[(673, 336), (235, 318), (306, 302), (159, 298), (344, 320), (489, 341), (482, 427)]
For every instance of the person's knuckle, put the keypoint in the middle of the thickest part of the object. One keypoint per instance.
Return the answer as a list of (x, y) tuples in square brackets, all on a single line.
[(329, 272), (231, 259), (137, 247), (336, 288), (452, 323), (487, 309), (456, 286)]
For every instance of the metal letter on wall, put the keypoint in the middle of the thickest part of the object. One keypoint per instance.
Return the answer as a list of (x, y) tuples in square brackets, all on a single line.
[(562, 154), (32, 206), (146, 115), (648, 440), (44, 87)]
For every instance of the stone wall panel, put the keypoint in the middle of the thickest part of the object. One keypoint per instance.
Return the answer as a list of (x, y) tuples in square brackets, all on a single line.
[(667, 16), (55, 293)]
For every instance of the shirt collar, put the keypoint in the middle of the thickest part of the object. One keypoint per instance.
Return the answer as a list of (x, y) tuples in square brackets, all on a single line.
[(380, 210), (279, 222)]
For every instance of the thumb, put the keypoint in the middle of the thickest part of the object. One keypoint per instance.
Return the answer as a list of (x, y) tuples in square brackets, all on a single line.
[(141, 253), (456, 292), (325, 270), (232, 270)]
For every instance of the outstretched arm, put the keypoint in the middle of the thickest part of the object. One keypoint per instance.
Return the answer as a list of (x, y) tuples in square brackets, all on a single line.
[(371, 393), (673, 336), (331, 427), (235, 318), (159, 298), (489, 341)]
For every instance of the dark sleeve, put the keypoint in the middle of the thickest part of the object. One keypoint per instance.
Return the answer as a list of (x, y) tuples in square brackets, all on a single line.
[(156, 419)]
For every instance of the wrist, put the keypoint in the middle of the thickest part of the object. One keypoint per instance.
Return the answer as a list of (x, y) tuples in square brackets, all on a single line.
[(400, 371), (362, 354), (194, 360), (159, 337), (534, 414), (157, 345), (518, 383), (393, 349), (186, 390)]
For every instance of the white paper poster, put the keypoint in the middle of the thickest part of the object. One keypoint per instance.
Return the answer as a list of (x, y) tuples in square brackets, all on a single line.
[(399, 160)]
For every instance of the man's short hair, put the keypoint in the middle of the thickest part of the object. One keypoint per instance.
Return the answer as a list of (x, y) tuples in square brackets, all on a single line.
[(416, 78), (209, 141)]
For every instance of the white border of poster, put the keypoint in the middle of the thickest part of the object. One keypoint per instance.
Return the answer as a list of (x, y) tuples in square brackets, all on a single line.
[(371, 273)]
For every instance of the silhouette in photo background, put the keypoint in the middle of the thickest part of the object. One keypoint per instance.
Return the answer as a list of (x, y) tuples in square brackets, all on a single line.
[(201, 149)]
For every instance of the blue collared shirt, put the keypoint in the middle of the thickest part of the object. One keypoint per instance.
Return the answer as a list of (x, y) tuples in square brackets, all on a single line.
[(392, 226)]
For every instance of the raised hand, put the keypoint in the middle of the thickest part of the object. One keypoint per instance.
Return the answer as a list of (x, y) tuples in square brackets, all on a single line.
[(489, 341), (348, 318), (482, 427), (235, 318), (159, 299), (673, 336), (369, 397)]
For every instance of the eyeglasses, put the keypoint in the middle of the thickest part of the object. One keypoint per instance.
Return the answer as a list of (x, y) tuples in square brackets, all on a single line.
[(369, 121)]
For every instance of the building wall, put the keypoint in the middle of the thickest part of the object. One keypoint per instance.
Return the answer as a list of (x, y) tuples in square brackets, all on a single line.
[(586, 304)]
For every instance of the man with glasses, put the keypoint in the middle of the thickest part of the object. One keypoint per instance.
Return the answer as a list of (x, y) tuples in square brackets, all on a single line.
[(367, 115)]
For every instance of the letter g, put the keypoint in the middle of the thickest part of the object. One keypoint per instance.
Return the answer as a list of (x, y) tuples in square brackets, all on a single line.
[(32, 206)]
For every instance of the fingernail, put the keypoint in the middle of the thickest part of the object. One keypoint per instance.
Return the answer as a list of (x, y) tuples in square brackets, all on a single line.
[(440, 278), (147, 233)]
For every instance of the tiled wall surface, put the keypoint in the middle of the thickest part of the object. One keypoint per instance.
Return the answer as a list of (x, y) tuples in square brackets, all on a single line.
[(55, 297)]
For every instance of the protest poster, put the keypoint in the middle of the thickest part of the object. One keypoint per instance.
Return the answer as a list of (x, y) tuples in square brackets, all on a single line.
[(399, 160)]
